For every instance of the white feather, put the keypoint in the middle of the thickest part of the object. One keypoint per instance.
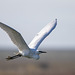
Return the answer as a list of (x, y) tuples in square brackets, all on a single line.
[(15, 36), (42, 34)]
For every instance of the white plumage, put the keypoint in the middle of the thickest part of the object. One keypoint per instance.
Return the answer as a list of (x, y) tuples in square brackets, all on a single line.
[(30, 50)]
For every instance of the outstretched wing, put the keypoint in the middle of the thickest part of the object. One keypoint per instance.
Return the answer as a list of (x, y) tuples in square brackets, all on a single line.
[(15, 36), (42, 34)]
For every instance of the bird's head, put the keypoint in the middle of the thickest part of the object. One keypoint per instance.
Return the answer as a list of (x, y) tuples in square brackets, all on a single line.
[(42, 52)]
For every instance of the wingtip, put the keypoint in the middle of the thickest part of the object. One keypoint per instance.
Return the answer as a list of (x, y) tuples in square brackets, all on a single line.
[(1, 23), (56, 19)]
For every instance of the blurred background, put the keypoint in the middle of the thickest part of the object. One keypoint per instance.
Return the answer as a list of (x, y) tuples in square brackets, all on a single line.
[(28, 17)]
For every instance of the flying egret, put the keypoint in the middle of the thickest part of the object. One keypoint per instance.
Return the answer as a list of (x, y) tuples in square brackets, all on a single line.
[(31, 50)]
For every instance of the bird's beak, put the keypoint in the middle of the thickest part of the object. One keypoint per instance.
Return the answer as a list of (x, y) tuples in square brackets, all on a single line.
[(42, 52)]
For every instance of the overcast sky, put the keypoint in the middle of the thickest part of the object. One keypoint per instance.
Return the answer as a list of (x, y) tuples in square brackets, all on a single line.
[(30, 16)]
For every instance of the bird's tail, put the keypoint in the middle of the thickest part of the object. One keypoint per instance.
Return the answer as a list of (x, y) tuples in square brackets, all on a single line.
[(13, 57)]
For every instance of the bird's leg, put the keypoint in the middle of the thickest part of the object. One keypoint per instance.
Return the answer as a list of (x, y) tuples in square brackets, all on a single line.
[(14, 57)]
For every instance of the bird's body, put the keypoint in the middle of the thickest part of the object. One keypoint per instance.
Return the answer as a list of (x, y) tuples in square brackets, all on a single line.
[(29, 51), (31, 54)]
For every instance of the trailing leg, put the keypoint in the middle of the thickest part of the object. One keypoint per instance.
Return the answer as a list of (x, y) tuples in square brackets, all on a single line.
[(13, 57)]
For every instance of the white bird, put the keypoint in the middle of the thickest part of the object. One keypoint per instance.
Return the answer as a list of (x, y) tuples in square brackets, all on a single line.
[(31, 50)]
